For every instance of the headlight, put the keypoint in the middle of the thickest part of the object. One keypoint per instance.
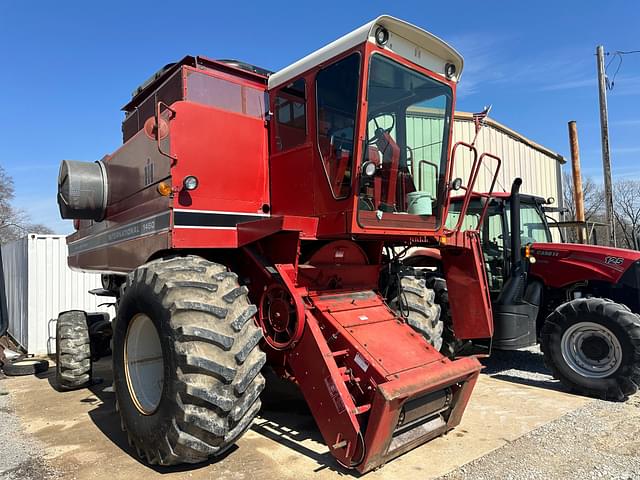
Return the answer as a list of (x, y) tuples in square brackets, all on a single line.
[(449, 70), (190, 182), (368, 168), (382, 36)]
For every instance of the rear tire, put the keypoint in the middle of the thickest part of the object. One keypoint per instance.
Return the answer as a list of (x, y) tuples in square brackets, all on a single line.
[(592, 345), (416, 303), (73, 351), (200, 390)]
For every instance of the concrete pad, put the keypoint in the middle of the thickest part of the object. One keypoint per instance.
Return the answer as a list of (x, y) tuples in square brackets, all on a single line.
[(81, 434)]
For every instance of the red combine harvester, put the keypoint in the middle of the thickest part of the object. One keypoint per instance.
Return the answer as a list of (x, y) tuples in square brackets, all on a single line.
[(245, 221)]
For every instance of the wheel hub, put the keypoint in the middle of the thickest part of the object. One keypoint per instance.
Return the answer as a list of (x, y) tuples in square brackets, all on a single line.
[(595, 348), (144, 364), (278, 318), (279, 311), (591, 350)]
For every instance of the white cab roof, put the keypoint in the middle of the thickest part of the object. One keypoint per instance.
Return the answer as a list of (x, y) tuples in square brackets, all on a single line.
[(405, 39)]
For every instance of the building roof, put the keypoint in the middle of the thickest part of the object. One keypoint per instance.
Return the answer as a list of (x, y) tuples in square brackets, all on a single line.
[(466, 116), (411, 42)]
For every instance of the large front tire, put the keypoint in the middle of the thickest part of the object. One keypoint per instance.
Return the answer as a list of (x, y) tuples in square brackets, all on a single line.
[(186, 360), (592, 345)]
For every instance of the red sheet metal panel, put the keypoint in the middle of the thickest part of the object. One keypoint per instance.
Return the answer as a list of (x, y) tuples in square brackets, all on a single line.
[(227, 152), (470, 303), (362, 371), (326, 394)]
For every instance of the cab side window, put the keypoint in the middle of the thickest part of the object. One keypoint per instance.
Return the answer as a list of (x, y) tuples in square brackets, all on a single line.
[(291, 116), (337, 104)]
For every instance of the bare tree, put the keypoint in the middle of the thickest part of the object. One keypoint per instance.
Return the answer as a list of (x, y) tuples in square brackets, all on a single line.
[(593, 202), (626, 199), (14, 223)]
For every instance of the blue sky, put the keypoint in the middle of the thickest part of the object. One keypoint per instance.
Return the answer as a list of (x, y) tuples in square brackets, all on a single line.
[(68, 67)]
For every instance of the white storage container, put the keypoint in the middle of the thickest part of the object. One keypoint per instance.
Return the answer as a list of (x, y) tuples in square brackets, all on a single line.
[(39, 285)]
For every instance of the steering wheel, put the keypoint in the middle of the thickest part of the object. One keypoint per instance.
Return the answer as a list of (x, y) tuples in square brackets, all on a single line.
[(379, 130)]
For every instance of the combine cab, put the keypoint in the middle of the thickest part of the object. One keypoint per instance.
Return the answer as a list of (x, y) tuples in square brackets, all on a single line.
[(254, 218)]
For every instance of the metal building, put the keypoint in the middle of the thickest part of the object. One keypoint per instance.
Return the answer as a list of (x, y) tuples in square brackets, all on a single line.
[(39, 285), (539, 167)]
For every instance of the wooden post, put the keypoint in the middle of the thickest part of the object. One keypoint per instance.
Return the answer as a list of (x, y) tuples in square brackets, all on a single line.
[(606, 158), (578, 194)]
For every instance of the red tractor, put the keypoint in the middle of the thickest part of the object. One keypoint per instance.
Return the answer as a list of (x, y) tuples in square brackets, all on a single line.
[(244, 222), (580, 302)]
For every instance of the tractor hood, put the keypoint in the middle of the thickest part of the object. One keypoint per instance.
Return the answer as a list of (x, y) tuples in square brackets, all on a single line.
[(562, 264)]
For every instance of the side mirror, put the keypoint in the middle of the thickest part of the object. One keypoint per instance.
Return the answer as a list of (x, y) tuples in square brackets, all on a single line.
[(456, 184)]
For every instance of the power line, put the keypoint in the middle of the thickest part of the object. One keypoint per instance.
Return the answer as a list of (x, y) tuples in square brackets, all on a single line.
[(616, 55)]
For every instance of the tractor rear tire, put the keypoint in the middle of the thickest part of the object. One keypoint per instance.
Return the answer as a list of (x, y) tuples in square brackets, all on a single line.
[(186, 360), (416, 303), (592, 345), (73, 351)]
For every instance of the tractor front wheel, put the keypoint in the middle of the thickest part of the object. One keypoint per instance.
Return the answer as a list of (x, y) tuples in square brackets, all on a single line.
[(592, 345), (186, 360)]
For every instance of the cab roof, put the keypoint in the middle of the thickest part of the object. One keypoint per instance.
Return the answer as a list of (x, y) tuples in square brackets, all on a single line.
[(405, 39)]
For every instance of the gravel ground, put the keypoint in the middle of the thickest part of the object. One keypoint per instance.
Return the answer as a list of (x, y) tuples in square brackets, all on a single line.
[(524, 366), (20, 456), (599, 440)]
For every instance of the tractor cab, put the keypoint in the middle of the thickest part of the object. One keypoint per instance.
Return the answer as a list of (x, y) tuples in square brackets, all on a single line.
[(511, 221), (495, 231)]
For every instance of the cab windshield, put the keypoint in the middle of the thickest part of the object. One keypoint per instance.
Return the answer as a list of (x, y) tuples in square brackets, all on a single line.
[(405, 155)]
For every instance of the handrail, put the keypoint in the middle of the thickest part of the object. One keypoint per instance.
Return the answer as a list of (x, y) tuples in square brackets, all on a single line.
[(159, 134), (473, 177), (435, 178)]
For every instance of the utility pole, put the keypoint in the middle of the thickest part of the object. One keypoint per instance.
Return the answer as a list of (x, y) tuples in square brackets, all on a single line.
[(606, 159), (578, 194)]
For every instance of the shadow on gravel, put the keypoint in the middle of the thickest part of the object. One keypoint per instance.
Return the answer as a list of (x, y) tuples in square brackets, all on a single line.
[(524, 360), (525, 367), (550, 384), (286, 419), (106, 418)]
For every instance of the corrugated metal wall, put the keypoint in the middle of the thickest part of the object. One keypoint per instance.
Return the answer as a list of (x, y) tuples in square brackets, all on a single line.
[(16, 265), (537, 166), (39, 286), (538, 170)]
